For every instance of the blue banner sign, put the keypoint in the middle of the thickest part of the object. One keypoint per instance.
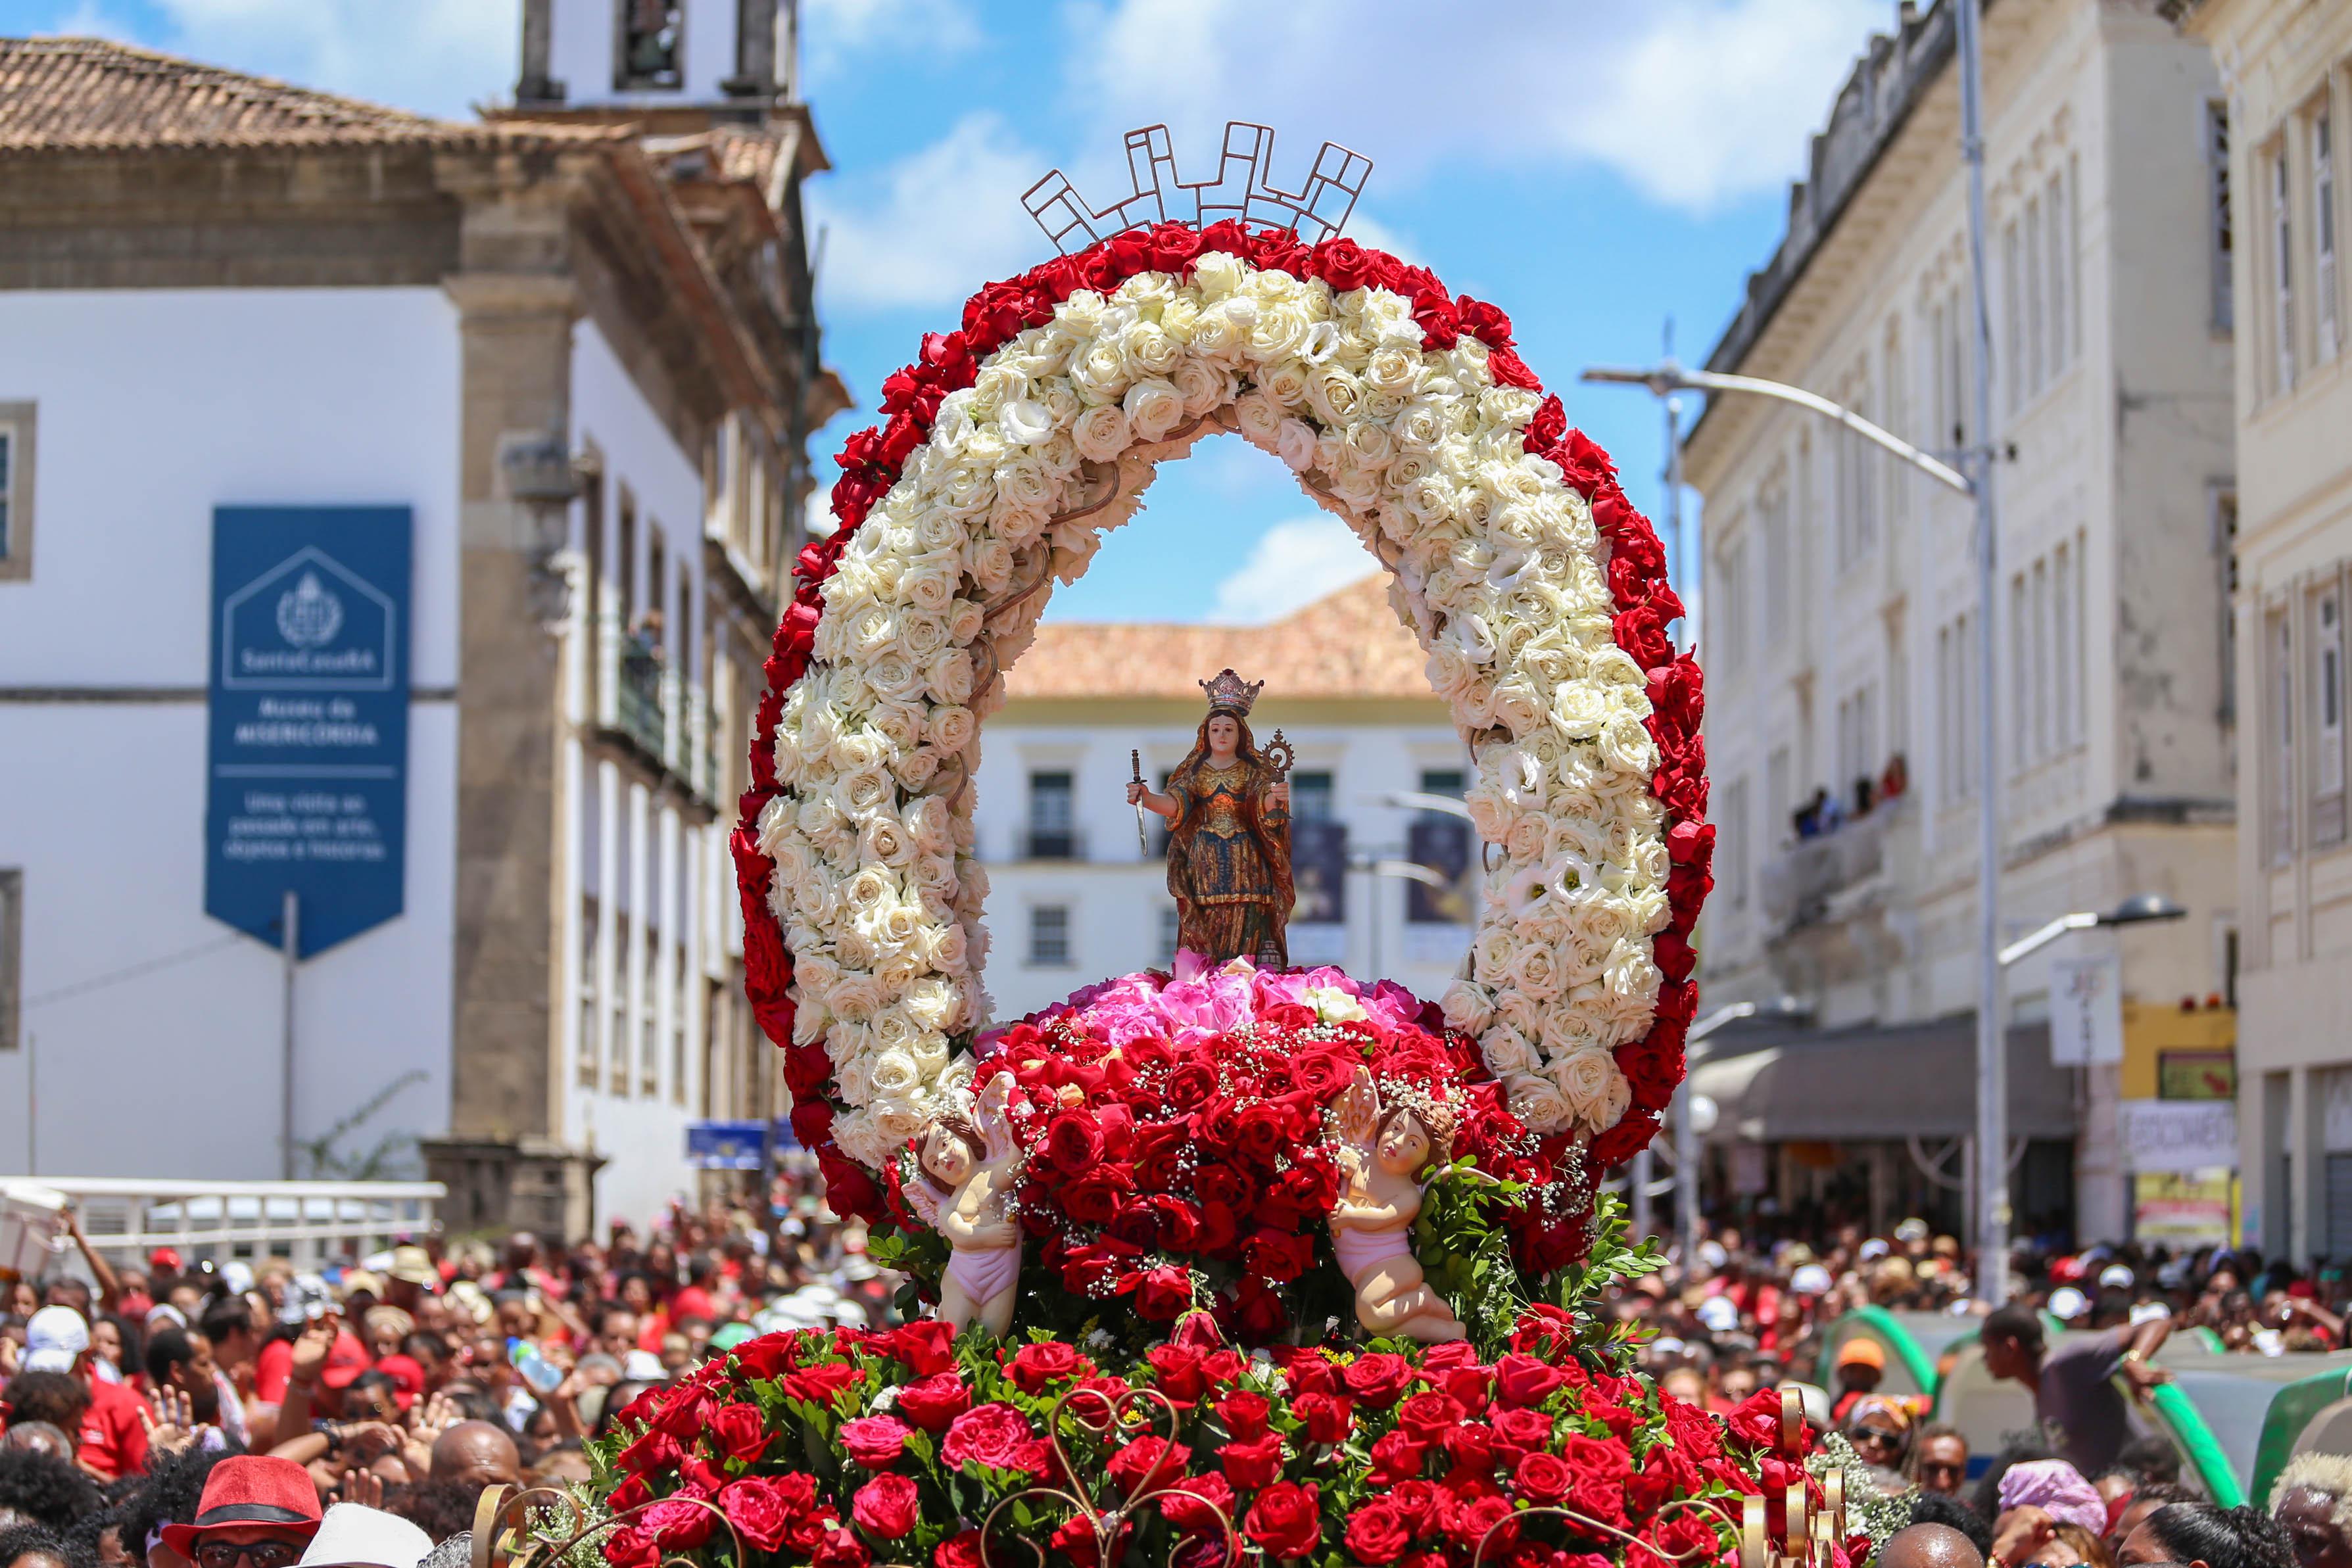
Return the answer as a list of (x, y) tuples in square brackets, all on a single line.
[(727, 1146), (307, 776)]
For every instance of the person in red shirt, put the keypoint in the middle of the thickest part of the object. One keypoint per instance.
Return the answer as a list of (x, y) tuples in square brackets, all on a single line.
[(112, 1442)]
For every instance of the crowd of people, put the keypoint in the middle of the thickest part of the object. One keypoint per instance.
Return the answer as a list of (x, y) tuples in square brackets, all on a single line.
[(195, 1416), (185, 1414)]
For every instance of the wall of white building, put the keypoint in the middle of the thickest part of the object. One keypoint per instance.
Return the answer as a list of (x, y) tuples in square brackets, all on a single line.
[(640, 1021), (154, 407), (1120, 915)]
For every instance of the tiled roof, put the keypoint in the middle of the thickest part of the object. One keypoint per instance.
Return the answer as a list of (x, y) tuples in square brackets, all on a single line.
[(1349, 643), (62, 95)]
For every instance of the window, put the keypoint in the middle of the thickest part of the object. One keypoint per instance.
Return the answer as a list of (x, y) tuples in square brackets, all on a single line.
[(1777, 575), (1049, 935), (1857, 483), (617, 1078), (1957, 700), (2222, 501), (2282, 640), (1961, 330), (650, 34), (1311, 795), (12, 957), (16, 491), (2282, 277), (2045, 669), (1729, 636), (2010, 366), (1780, 809), (648, 1039), (1735, 829), (2058, 221), (1940, 380), (2021, 716), (1897, 419), (588, 1063), (1053, 833), (2323, 234), (1168, 932), (2327, 691), (2217, 209), (2037, 358), (2066, 696), (1443, 842)]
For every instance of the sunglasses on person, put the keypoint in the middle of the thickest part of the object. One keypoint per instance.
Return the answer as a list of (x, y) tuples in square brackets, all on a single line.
[(1942, 1472), (259, 1553), (1875, 1436)]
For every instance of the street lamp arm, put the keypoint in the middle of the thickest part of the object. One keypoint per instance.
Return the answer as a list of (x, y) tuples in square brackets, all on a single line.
[(2036, 940), (1410, 871), (1421, 801), (1673, 378)]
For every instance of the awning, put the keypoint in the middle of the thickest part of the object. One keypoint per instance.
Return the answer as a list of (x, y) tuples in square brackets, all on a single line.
[(1773, 1083)]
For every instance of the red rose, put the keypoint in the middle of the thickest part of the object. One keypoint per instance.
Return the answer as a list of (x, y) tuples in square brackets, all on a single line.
[(1471, 1446), (1429, 1416), (932, 1402), (1252, 1464), (1073, 1142), (1542, 1478), (1186, 1505), (1521, 1427), (1523, 1380), (1149, 1464), (681, 1522), (1164, 1292), (875, 1441), (759, 1509), (994, 1435), (1378, 1380), (652, 1454), (818, 1385), (1377, 1534), (1177, 1369), (1284, 1519), (1396, 1457), (1473, 1386), (840, 1549), (1343, 264), (737, 1432), (958, 1551), (1328, 1417), (1244, 1414), (1034, 1366), (632, 1548), (1471, 1523), (1484, 322), (926, 1346), (885, 1506), (1598, 1469)]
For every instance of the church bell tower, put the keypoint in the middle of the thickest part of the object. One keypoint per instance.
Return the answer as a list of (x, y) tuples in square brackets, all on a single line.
[(671, 64)]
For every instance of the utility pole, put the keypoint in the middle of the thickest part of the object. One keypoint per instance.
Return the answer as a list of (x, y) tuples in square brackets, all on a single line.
[(291, 955), (1639, 1182), (1992, 1062)]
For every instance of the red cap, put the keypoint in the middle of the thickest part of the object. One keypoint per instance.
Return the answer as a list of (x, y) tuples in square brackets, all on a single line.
[(163, 1260), (247, 1490), (408, 1377), (345, 1362), (2067, 1271)]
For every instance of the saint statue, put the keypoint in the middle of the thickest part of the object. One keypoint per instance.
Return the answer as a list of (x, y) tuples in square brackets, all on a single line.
[(1228, 811)]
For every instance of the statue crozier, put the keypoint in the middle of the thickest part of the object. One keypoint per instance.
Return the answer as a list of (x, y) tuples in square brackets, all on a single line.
[(1381, 1151), (965, 1193), (1228, 811)]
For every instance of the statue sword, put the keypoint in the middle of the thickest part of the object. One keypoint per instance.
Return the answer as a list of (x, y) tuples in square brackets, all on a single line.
[(1142, 839)]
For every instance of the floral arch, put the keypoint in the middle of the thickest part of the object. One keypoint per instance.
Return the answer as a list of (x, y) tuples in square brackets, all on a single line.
[(1538, 591)]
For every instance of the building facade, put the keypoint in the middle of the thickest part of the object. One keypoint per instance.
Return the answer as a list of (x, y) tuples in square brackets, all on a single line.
[(575, 346), (2287, 71), (1841, 616), (1079, 892)]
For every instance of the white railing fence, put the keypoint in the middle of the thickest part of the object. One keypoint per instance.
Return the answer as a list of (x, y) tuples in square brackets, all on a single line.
[(308, 1223)]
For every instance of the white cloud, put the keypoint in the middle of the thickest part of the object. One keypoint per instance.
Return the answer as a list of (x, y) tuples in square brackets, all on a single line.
[(928, 229), (428, 56), (1295, 563), (1694, 102), (832, 32)]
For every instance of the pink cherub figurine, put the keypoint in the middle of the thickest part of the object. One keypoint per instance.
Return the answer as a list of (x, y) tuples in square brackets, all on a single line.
[(1381, 1151), (969, 1166)]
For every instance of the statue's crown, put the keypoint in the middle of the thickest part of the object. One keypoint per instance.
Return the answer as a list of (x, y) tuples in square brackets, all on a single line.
[(1228, 690), (1244, 188)]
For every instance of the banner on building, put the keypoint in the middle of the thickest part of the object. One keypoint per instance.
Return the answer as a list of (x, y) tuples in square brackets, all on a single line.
[(2182, 1210), (306, 766), (2086, 1011), (727, 1146), (2179, 1134)]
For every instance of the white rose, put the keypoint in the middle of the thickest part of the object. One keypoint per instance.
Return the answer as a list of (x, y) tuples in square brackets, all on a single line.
[(1506, 1051), (893, 675), (1101, 434), (1631, 974), (895, 1073), (1334, 394), (870, 890), (1583, 1081), (964, 621), (1216, 273), (1219, 333), (1516, 705), (1537, 1102), (952, 727), (1153, 408), (950, 676), (885, 840), (1626, 746), (1534, 972), (1025, 421), (1148, 350), (931, 1003), (1203, 386), (1260, 418), (854, 995), (1468, 1005), (1295, 445), (1286, 383), (1580, 709), (1394, 369)]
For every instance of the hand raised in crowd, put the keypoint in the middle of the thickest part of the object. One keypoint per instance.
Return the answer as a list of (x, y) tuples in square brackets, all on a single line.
[(360, 1485), (310, 1352), (171, 1420)]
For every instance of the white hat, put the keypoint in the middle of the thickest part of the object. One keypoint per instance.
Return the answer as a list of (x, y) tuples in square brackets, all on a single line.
[(2114, 1276), (1720, 1313), (2069, 1302), (2148, 1313), (54, 1338), (1812, 1279), (1872, 1251), (351, 1536), (643, 1366), (1911, 1230), (1711, 1253), (1667, 1345)]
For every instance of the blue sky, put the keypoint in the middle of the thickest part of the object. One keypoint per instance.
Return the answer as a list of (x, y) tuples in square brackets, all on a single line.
[(1594, 166)]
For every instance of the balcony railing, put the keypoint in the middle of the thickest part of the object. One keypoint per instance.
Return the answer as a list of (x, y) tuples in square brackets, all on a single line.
[(1799, 883), (1050, 844), (644, 699), (308, 1222)]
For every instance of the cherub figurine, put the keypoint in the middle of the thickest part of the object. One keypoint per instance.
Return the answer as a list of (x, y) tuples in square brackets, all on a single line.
[(1381, 1150), (968, 1167)]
